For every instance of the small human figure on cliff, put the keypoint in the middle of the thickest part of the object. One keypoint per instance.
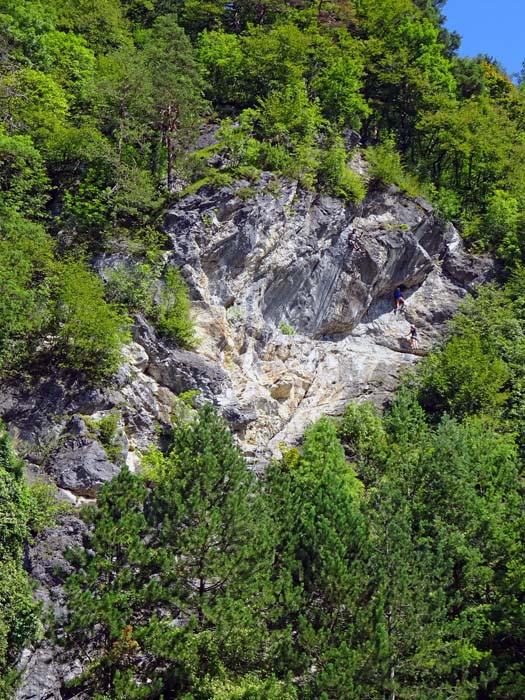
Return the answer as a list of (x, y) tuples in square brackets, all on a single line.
[(353, 241), (399, 299), (413, 337)]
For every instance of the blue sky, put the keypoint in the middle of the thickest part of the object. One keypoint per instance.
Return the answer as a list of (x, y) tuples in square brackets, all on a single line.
[(493, 27)]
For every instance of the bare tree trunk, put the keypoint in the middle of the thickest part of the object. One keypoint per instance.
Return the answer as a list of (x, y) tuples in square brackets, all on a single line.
[(319, 10), (122, 114), (169, 147), (170, 129), (392, 669)]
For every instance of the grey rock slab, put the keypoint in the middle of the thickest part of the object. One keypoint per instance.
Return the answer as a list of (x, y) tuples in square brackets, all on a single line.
[(41, 674), (80, 464)]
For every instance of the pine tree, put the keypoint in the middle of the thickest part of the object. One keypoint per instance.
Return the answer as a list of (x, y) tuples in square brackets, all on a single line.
[(177, 88), (113, 591), (171, 585), (213, 542), (320, 576)]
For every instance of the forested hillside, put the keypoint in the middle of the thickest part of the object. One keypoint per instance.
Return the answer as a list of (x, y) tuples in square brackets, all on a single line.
[(101, 108), (383, 558)]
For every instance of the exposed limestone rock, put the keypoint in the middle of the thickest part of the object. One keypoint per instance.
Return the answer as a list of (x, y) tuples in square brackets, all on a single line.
[(42, 676), (285, 263), (43, 669)]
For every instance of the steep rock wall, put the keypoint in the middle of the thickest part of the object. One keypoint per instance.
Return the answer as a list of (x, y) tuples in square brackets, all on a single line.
[(298, 316)]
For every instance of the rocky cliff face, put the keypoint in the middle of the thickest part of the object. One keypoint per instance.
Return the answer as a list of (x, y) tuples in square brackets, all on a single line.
[(295, 320), (301, 318)]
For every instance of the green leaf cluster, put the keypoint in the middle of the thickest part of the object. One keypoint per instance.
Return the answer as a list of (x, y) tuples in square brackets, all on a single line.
[(51, 307)]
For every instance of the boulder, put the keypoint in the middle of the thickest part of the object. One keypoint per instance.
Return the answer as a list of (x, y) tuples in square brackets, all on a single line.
[(80, 463)]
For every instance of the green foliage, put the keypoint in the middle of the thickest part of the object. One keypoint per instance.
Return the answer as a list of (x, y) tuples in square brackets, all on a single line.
[(502, 220), (44, 506), (336, 177), (90, 331), (176, 87), (338, 84), (27, 254), (23, 180), (70, 62), (101, 102), (251, 688), (19, 613), (164, 298), (447, 203), (188, 546), (386, 168), (36, 103), (320, 581), (488, 334), (464, 378), (106, 430), (222, 57), (287, 124), (59, 301), (132, 286), (172, 310), (362, 433), (286, 329)]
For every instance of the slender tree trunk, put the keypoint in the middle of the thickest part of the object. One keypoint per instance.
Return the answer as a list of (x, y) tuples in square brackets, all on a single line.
[(392, 669), (170, 129), (202, 590), (169, 147), (260, 13), (319, 10)]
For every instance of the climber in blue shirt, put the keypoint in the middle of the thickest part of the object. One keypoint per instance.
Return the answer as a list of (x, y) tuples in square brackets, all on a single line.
[(399, 299)]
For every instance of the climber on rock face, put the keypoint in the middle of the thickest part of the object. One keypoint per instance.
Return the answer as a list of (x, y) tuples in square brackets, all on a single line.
[(399, 299), (413, 337)]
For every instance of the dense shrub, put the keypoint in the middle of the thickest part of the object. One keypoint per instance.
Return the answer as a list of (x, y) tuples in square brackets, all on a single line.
[(336, 177), (171, 312), (165, 300), (89, 330), (27, 256)]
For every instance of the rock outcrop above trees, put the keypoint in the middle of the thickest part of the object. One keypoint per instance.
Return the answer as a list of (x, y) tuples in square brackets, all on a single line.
[(299, 317), (294, 321)]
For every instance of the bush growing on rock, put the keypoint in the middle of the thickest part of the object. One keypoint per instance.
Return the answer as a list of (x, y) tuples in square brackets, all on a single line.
[(89, 330), (51, 306), (386, 167), (165, 300), (171, 312), (27, 255), (336, 177)]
